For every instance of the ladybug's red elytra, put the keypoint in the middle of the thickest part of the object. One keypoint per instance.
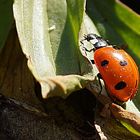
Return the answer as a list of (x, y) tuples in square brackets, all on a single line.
[(117, 69)]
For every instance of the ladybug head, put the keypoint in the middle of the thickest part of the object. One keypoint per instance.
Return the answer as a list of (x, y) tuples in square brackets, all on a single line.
[(96, 41)]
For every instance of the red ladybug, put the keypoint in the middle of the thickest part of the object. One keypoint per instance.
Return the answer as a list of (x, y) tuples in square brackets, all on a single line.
[(117, 69)]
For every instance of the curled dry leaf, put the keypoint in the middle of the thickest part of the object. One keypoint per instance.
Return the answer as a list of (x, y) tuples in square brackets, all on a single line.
[(64, 85), (50, 55), (32, 24)]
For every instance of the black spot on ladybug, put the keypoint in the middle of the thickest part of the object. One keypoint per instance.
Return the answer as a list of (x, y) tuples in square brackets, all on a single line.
[(104, 63), (120, 85), (99, 76), (123, 63)]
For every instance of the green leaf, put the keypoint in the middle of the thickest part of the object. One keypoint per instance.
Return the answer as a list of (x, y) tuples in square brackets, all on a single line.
[(32, 26), (65, 37), (48, 31), (60, 45), (130, 128), (6, 20)]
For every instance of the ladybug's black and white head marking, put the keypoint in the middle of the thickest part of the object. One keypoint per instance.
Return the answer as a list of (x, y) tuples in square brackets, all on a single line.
[(96, 41)]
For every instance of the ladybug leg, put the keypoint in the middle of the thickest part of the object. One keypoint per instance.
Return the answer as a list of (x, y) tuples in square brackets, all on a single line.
[(82, 41), (93, 49), (99, 76), (99, 79), (120, 47), (92, 61), (116, 47)]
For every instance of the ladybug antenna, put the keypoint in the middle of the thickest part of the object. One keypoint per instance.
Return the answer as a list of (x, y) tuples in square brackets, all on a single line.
[(85, 38)]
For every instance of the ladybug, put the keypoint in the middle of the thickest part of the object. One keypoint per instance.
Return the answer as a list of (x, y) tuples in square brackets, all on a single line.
[(117, 69)]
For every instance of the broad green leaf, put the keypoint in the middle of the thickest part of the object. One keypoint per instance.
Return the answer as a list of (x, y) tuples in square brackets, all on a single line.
[(67, 18), (32, 27), (6, 20), (49, 39)]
